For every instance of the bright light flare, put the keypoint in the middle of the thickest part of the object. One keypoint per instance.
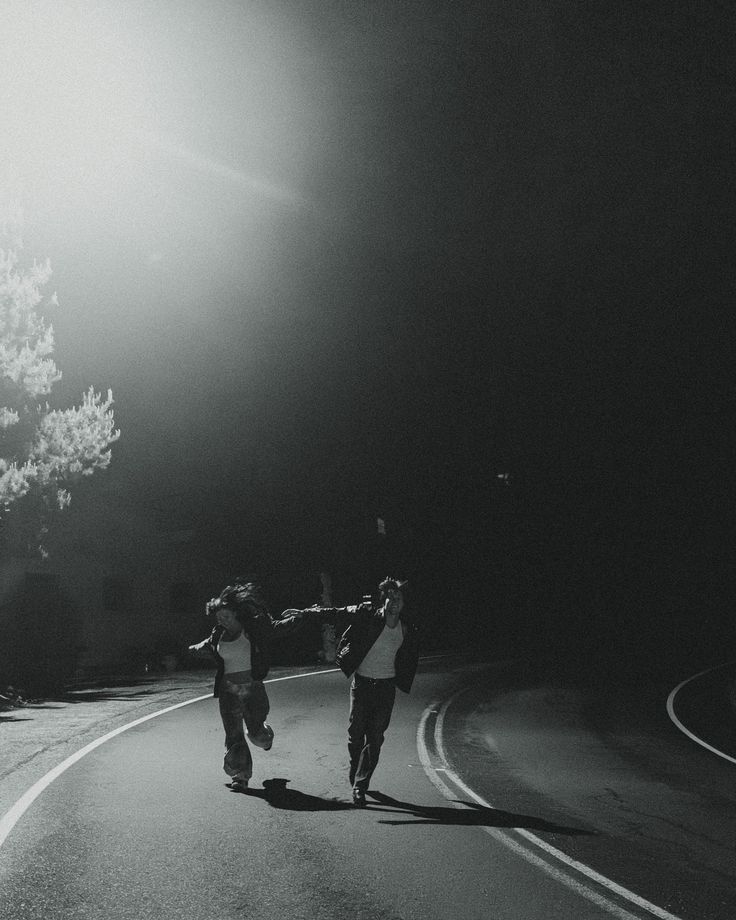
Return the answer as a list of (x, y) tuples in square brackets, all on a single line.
[(99, 106), (74, 100)]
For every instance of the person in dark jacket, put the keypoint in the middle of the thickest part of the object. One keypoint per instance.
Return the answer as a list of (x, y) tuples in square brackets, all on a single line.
[(380, 651), (241, 644)]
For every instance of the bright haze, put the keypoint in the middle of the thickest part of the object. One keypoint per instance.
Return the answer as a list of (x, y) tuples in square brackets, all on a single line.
[(347, 259)]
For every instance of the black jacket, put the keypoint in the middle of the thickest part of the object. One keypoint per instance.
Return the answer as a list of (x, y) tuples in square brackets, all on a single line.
[(358, 639), (260, 629)]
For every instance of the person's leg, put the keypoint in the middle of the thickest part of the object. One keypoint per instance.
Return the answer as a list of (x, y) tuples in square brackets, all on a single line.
[(255, 709), (378, 717), (357, 721), (238, 762)]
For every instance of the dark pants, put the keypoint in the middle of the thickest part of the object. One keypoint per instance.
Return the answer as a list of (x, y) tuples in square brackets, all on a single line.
[(371, 704), (245, 704)]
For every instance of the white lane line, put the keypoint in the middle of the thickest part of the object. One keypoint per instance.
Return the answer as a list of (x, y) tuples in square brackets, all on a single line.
[(273, 680), (683, 728), (504, 837), (11, 817)]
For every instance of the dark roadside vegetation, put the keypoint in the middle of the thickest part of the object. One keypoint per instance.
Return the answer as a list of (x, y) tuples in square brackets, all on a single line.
[(579, 600)]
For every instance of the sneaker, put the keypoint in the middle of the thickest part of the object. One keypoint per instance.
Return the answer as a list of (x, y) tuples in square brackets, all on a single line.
[(358, 797), (239, 784)]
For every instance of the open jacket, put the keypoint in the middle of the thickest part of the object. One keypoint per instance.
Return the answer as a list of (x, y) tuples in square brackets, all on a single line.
[(357, 640), (260, 629)]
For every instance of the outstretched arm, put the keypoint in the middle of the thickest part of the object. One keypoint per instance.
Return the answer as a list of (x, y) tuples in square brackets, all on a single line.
[(317, 614), (291, 621), (205, 647), (287, 623)]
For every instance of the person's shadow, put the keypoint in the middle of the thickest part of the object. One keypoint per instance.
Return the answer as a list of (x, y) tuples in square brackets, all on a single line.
[(470, 815), (276, 794)]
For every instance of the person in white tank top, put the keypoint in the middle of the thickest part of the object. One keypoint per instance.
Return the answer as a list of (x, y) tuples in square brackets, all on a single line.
[(379, 651), (242, 701), (240, 644)]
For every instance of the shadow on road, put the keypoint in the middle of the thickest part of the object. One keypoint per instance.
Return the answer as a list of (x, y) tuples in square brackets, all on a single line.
[(470, 815), (131, 688), (102, 695), (278, 796)]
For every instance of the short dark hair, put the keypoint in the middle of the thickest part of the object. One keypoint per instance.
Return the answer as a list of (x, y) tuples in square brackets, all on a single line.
[(389, 583)]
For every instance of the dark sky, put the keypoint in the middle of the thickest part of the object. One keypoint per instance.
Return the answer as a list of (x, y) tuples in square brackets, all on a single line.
[(342, 257)]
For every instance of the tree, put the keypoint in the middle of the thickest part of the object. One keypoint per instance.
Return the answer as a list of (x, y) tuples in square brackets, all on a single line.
[(43, 451)]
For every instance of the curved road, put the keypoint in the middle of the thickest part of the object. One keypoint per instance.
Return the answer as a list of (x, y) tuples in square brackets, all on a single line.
[(495, 799)]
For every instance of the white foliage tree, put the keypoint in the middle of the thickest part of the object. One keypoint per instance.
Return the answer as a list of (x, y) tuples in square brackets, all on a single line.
[(42, 450)]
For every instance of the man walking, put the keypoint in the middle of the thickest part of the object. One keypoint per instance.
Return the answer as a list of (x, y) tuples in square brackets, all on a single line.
[(380, 651)]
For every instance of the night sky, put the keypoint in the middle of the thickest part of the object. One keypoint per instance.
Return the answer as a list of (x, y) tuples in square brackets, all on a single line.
[(342, 259)]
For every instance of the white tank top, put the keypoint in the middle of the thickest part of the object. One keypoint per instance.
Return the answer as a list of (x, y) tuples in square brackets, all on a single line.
[(379, 662), (235, 654)]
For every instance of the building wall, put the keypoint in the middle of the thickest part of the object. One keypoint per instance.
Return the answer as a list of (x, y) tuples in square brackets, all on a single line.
[(117, 591)]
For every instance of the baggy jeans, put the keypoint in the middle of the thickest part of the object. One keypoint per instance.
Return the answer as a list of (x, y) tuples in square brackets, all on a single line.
[(371, 705), (243, 709)]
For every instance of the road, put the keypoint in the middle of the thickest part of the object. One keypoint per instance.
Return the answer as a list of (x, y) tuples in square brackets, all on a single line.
[(496, 798)]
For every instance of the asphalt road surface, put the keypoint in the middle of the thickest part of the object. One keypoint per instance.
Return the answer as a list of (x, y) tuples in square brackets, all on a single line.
[(496, 799)]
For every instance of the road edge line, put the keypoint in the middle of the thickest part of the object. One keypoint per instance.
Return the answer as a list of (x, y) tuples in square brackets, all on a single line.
[(16, 812), (681, 726), (507, 840)]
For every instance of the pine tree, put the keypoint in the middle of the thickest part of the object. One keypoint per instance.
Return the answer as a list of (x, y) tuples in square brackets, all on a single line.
[(42, 450)]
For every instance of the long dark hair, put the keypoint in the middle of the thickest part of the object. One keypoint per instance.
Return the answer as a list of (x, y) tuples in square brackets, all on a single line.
[(245, 598)]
